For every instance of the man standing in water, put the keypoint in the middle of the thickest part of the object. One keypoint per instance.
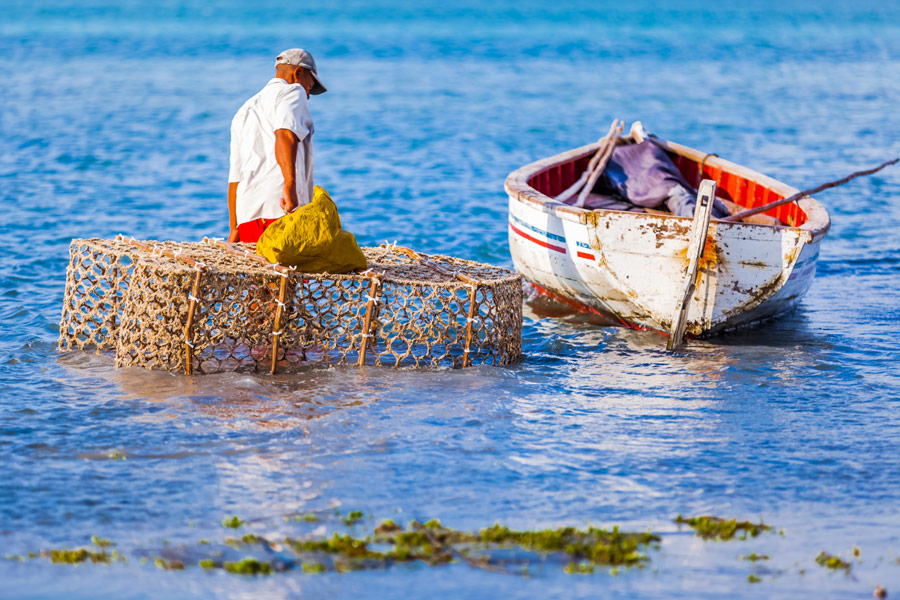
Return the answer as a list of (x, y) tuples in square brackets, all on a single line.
[(271, 167)]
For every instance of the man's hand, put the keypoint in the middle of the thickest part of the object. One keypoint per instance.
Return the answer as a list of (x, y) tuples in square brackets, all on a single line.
[(233, 236), (289, 198)]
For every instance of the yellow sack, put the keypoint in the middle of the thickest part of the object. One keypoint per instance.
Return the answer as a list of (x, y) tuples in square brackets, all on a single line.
[(311, 239)]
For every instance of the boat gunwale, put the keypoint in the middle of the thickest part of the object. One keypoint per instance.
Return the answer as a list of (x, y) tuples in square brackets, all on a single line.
[(817, 222)]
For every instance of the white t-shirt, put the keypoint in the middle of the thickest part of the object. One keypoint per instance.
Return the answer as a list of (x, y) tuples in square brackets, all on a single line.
[(279, 105)]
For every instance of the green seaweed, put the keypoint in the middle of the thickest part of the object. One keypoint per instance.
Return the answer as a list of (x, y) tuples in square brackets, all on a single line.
[(431, 542), (599, 546), (753, 557), (102, 542), (830, 561), (308, 567), (80, 555), (168, 565), (386, 528), (753, 578), (344, 545), (353, 517), (717, 528), (249, 566), (310, 518), (579, 568)]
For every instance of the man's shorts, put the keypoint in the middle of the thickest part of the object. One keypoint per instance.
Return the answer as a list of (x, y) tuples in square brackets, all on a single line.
[(251, 230)]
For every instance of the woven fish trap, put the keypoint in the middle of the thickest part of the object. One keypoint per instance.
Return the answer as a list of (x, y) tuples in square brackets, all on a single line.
[(207, 307)]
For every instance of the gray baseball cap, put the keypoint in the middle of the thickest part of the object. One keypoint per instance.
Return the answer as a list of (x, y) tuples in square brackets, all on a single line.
[(301, 58)]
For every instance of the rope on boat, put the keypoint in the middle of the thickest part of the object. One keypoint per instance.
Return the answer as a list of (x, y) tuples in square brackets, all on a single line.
[(799, 195)]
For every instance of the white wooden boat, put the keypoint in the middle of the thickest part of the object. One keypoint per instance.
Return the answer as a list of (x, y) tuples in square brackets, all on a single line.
[(632, 266)]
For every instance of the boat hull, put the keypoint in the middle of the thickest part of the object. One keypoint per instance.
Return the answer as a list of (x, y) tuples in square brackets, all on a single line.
[(632, 266)]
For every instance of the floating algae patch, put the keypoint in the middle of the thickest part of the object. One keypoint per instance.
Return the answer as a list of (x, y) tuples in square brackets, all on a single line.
[(495, 548), (312, 567), (717, 528), (596, 546), (169, 564), (249, 566), (80, 555), (353, 517), (753, 557), (387, 527), (830, 561)]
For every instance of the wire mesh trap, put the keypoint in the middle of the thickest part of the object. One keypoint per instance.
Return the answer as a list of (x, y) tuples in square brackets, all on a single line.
[(207, 307)]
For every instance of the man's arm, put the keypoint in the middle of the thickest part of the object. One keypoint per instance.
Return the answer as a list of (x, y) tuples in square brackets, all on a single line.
[(286, 154), (232, 212)]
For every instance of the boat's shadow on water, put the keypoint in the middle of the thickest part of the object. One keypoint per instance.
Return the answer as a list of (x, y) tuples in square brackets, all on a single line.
[(606, 357)]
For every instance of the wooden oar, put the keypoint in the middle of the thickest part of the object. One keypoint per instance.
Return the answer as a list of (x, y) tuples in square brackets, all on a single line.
[(759, 209)]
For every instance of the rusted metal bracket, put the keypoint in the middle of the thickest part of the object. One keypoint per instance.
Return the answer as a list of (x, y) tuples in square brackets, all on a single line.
[(706, 196)]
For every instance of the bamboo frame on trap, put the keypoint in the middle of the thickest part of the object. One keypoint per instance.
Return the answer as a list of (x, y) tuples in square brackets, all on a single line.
[(211, 307)]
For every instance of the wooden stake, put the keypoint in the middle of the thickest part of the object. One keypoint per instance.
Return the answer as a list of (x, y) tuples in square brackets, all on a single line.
[(276, 328), (469, 321), (754, 211), (367, 324), (188, 345), (114, 302)]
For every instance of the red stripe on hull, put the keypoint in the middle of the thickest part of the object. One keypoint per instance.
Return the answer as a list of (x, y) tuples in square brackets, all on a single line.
[(537, 241), (585, 255), (584, 308)]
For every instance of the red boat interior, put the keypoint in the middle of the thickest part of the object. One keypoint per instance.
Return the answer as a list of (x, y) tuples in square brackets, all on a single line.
[(739, 190)]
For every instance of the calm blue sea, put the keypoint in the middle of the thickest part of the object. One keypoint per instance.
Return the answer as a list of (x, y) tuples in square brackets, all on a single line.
[(114, 117)]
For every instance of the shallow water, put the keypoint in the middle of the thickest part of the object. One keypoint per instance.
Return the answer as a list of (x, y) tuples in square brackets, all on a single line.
[(114, 118)]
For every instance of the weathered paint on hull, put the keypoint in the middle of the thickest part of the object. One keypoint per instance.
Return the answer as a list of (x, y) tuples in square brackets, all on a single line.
[(632, 265)]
